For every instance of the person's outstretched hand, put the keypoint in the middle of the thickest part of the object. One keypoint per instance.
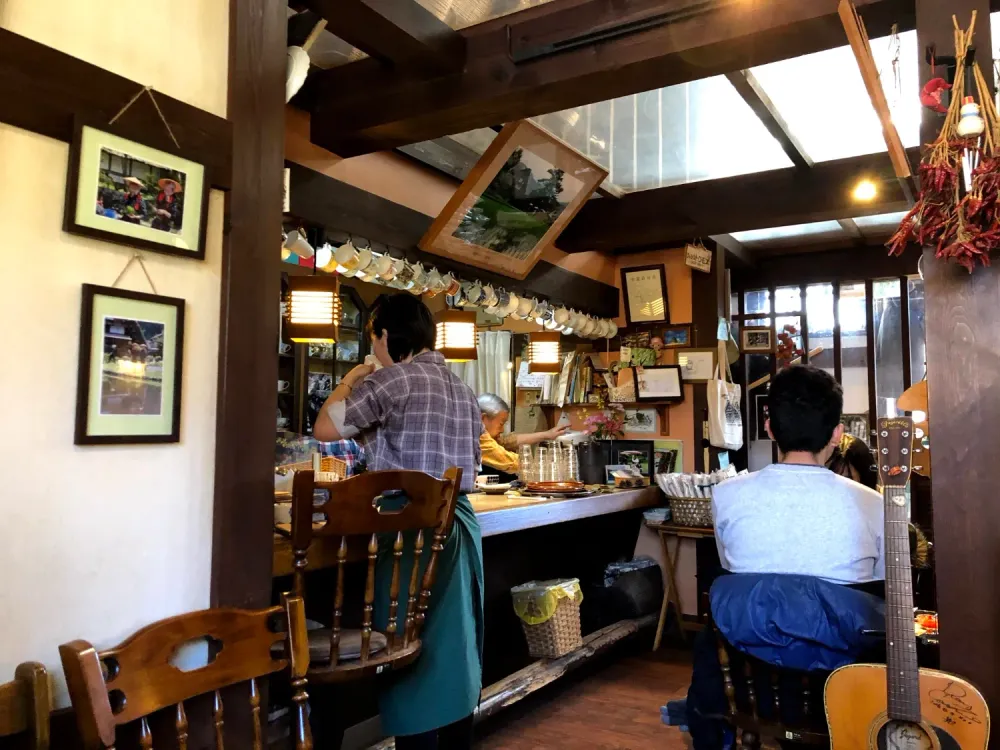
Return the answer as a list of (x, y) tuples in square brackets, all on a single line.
[(556, 432)]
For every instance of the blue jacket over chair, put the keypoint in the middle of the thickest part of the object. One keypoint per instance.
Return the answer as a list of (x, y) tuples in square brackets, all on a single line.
[(794, 621)]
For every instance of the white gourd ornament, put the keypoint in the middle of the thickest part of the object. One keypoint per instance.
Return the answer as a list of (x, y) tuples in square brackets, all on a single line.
[(971, 123)]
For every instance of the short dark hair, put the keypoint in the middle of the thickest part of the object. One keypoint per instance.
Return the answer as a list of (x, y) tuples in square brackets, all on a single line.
[(854, 453), (407, 321), (804, 404)]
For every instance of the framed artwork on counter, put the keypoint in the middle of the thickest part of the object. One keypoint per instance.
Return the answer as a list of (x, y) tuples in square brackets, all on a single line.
[(125, 192), (130, 367), (661, 383)]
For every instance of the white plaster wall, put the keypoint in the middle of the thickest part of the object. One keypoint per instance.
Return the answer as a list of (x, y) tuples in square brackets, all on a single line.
[(97, 541)]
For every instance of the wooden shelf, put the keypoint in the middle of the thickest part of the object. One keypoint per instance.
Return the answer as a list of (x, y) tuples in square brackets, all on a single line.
[(662, 410)]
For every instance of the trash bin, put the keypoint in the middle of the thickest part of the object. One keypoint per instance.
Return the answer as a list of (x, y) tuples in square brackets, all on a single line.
[(550, 615)]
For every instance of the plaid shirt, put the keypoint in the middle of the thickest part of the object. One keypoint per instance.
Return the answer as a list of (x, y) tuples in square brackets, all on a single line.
[(347, 451), (417, 415)]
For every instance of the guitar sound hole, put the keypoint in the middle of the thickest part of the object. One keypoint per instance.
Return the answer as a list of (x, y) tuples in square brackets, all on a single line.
[(902, 735)]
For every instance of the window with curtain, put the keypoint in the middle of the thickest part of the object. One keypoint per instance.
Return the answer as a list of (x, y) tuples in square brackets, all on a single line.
[(491, 372)]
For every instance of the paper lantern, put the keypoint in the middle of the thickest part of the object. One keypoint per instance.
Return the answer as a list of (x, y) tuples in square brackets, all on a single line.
[(456, 335), (313, 309), (543, 352)]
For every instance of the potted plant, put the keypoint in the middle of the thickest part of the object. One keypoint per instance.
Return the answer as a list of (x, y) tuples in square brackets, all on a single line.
[(604, 427)]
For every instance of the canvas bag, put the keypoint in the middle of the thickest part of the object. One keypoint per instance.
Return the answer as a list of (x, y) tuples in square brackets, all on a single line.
[(725, 418)]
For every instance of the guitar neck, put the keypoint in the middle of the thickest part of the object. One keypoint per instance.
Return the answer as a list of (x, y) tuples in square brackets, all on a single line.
[(901, 643)]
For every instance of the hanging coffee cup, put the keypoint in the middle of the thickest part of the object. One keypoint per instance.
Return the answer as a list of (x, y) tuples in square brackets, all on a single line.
[(297, 244), (347, 258)]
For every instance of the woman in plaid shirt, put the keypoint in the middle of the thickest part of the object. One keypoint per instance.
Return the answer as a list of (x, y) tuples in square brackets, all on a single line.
[(414, 413)]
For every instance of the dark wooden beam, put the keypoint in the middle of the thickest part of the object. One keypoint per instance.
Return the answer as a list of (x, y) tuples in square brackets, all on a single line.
[(735, 249), (243, 517), (344, 210), (400, 32), (753, 94), (780, 197), (962, 376), (43, 90), (574, 54), (848, 264)]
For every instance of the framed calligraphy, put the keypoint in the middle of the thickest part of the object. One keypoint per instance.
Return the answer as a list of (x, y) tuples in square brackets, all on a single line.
[(645, 291)]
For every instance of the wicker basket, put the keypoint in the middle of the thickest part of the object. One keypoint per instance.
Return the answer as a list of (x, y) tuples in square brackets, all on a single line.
[(691, 511), (559, 633), (331, 469)]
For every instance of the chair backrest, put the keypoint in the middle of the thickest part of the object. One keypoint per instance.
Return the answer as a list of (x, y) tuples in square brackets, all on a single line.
[(373, 503), (766, 702), (25, 704), (136, 678)]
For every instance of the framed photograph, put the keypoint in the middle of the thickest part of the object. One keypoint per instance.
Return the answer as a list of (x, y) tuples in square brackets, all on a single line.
[(761, 416), (514, 203), (123, 191), (645, 291), (640, 420), (129, 378), (757, 339), (677, 337), (697, 365), (609, 470), (668, 456), (634, 453), (660, 383)]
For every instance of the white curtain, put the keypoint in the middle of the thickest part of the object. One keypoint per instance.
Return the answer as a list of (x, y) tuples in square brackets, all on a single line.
[(492, 372)]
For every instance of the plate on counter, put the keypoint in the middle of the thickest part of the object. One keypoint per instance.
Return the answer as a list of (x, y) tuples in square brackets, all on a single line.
[(563, 489), (494, 489)]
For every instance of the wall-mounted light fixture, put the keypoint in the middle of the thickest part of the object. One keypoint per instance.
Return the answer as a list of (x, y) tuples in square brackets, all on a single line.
[(543, 352), (313, 309), (456, 335)]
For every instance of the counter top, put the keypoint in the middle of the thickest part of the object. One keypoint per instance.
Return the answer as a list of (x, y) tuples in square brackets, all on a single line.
[(499, 514)]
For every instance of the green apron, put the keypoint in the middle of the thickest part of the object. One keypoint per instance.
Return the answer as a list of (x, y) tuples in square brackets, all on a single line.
[(444, 683)]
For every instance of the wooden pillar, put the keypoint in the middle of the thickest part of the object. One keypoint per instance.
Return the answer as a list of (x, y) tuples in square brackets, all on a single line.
[(963, 338), (248, 363), (708, 304)]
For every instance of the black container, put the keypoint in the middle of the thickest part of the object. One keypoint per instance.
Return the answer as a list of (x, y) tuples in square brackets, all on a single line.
[(592, 457)]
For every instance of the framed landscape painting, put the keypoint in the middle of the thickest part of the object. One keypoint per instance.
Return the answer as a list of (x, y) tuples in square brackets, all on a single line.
[(129, 377), (514, 203)]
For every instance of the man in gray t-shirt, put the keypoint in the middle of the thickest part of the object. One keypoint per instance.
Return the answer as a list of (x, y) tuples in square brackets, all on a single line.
[(797, 516)]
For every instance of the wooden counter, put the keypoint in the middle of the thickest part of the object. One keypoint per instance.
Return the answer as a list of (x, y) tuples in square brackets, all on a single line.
[(497, 514)]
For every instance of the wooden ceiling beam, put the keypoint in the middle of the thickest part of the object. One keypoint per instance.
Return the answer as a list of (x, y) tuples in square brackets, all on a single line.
[(577, 53), (401, 33), (753, 94), (780, 197)]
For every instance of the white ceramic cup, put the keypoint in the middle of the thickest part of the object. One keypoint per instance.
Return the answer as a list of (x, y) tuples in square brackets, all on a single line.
[(297, 244), (324, 257), (513, 302), (473, 291), (451, 285), (283, 386), (525, 307), (490, 297), (612, 329), (347, 259), (364, 259), (588, 327), (561, 316), (382, 266)]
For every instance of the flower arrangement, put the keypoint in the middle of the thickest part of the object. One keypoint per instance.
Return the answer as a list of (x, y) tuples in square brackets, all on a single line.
[(607, 425)]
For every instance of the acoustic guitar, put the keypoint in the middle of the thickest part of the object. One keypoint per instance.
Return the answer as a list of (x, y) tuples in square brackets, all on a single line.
[(898, 706)]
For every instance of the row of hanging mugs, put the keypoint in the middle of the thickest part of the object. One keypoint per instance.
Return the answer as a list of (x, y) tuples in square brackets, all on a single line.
[(375, 268)]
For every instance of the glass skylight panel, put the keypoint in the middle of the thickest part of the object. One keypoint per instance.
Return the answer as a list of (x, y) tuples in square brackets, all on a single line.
[(823, 99), (814, 231)]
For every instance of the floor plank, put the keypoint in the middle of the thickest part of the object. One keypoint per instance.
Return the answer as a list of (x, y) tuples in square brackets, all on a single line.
[(614, 707)]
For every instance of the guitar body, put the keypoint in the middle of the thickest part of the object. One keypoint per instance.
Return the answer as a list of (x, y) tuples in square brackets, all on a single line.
[(953, 713)]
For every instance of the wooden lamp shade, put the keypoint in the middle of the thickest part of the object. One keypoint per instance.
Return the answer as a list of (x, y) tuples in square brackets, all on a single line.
[(456, 335), (543, 352), (313, 309)]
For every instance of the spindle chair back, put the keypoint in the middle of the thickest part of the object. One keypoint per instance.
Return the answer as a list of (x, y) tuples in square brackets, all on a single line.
[(25, 704), (137, 678), (369, 506)]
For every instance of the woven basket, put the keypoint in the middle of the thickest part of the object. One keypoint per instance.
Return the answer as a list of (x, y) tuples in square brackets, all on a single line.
[(691, 511), (558, 635), (331, 469)]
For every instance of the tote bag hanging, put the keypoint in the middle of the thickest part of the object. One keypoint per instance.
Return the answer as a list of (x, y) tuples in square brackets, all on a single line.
[(725, 419)]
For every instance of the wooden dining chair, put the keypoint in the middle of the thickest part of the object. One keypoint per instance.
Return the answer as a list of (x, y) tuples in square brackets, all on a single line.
[(363, 508), (25, 704), (136, 678)]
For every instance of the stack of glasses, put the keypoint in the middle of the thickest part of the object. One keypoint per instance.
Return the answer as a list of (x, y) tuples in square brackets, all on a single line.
[(549, 461)]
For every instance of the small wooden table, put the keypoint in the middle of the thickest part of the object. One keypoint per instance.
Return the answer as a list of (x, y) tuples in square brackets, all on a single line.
[(670, 592)]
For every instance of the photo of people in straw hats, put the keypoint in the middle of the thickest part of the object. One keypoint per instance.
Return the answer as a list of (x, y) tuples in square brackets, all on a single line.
[(135, 191)]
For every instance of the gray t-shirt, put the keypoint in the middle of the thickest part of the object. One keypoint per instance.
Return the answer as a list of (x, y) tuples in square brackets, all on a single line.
[(790, 518)]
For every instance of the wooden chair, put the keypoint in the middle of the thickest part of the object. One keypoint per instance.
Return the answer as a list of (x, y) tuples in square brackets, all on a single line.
[(136, 678), (25, 704), (364, 507), (771, 704)]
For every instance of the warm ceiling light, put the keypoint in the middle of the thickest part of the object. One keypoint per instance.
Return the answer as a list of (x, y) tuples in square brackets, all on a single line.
[(543, 352), (313, 312), (865, 191), (456, 335)]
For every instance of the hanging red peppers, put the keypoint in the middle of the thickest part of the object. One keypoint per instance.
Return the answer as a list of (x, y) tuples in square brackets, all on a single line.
[(966, 228)]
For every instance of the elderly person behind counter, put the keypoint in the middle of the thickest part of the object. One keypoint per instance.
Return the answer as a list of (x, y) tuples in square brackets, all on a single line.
[(416, 414), (500, 449)]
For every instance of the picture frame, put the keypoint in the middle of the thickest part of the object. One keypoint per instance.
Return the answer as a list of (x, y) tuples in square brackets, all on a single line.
[(642, 421), (644, 289), (130, 367), (122, 191), (679, 336), (668, 455), (761, 416), (609, 469), (492, 222), (697, 365), (632, 452), (757, 339), (662, 384)]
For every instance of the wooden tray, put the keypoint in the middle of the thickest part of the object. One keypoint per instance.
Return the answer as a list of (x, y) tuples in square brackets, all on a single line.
[(558, 487)]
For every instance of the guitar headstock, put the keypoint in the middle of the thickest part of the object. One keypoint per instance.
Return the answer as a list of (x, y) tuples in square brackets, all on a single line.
[(895, 451)]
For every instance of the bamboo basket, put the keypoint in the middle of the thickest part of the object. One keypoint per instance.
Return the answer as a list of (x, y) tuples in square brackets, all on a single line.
[(691, 511), (556, 631)]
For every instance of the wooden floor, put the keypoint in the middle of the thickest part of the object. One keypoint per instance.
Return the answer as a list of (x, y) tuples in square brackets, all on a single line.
[(615, 706)]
